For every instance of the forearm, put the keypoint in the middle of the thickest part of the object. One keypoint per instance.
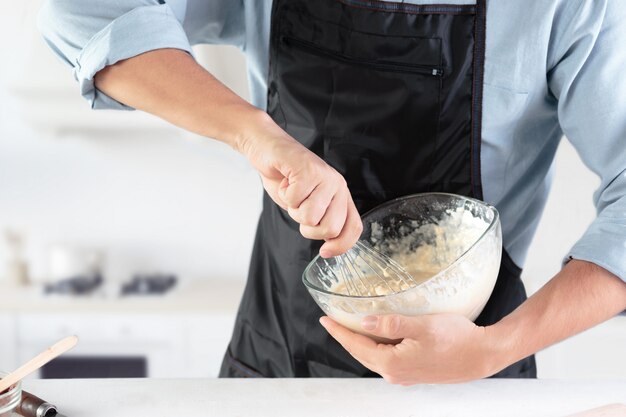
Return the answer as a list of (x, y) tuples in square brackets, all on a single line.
[(170, 84), (580, 296)]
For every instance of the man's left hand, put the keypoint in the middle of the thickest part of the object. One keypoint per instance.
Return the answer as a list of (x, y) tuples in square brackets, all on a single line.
[(439, 348)]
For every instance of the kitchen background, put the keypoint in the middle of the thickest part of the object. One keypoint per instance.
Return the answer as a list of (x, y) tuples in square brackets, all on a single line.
[(127, 205)]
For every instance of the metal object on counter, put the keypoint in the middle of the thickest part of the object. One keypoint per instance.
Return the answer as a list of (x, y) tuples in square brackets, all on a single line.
[(33, 406), (78, 285), (67, 261), (149, 284)]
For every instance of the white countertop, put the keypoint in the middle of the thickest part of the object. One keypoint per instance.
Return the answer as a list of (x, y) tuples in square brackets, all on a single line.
[(324, 397)]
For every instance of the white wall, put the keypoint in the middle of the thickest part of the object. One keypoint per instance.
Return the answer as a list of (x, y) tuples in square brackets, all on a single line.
[(569, 211), (153, 197), (152, 202)]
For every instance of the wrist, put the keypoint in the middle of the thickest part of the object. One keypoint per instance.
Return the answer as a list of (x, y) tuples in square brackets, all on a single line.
[(255, 128), (499, 347)]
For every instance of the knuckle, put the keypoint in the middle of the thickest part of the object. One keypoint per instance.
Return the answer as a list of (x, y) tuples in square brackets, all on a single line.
[(332, 231), (393, 325), (307, 215), (341, 181), (309, 219), (288, 194), (317, 168), (294, 214), (307, 232)]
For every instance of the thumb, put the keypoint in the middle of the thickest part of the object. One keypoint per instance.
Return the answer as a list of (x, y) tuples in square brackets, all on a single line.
[(391, 326)]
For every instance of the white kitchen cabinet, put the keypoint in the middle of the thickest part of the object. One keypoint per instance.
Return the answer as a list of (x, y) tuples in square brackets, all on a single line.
[(207, 339), (177, 345), (8, 347), (183, 334)]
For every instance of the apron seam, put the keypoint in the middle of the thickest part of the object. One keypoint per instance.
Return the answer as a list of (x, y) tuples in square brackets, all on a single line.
[(395, 7), (320, 19), (251, 328), (480, 34), (245, 369)]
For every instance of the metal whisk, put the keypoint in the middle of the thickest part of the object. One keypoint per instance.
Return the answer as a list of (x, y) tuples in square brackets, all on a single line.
[(367, 272)]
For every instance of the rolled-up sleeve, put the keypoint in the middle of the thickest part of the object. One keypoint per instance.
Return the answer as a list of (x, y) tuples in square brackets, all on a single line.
[(587, 78), (90, 35)]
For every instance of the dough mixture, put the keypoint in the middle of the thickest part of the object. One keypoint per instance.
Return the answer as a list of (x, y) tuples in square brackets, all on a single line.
[(425, 250)]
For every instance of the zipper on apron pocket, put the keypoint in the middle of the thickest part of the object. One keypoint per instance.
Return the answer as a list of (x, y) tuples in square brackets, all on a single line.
[(368, 63)]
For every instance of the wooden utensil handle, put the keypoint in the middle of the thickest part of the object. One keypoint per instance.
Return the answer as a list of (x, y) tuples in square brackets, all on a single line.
[(38, 361)]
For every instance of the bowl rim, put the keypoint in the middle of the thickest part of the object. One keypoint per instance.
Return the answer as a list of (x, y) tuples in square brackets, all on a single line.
[(12, 391), (492, 225)]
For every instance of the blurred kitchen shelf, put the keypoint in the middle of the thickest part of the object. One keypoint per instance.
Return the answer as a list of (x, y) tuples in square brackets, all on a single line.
[(202, 296), (183, 333)]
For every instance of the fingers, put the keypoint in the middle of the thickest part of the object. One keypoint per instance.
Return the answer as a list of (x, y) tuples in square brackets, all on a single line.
[(295, 189), (332, 222), (311, 211), (362, 348), (314, 194), (393, 326), (350, 233), (273, 192), (326, 213)]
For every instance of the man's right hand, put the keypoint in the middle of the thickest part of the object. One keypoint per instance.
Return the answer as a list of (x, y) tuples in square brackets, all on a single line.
[(170, 84), (314, 194)]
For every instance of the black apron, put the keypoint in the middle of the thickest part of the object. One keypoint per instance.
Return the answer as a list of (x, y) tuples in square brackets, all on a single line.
[(390, 95)]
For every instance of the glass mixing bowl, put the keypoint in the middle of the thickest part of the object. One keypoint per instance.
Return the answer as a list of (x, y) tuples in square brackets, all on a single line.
[(451, 244), (10, 399)]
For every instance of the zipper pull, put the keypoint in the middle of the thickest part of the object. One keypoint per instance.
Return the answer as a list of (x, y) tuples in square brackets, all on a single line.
[(437, 72)]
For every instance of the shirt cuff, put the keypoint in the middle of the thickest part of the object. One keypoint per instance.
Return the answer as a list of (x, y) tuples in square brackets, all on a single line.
[(141, 30), (604, 244)]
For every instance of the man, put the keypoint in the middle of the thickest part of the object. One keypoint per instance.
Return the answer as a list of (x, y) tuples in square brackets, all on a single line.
[(359, 101)]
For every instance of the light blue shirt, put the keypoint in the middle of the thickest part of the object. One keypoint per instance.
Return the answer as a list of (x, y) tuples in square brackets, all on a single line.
[(552, 67)]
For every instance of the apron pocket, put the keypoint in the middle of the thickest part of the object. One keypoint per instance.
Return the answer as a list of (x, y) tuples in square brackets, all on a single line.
[(370, 63), (375, 98)]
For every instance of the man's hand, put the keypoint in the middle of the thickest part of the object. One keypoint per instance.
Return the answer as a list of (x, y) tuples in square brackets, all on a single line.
[(444, 348), (313, 193), (439, 348)]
